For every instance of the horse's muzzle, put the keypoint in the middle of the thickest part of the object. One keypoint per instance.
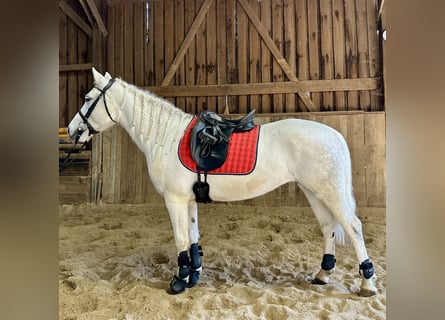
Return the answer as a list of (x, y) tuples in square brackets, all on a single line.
[(75, 134)]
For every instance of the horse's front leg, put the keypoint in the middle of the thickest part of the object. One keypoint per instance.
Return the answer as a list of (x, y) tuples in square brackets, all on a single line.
[(195, 248), (179, 217)]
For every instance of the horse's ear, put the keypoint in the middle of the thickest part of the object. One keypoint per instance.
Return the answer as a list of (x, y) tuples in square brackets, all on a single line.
[(98, 78), (107, 76)]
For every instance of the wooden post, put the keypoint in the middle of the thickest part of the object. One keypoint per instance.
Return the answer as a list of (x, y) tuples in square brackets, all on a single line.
[(96, 147)]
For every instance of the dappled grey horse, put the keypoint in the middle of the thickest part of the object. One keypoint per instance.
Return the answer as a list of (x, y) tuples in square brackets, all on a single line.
[(311, 154)]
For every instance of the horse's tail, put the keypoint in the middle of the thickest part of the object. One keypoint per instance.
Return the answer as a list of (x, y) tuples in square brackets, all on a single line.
[(340, 236), (348, 201)]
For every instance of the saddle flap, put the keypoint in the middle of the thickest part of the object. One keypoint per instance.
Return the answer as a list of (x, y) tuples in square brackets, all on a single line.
[(206, 149)]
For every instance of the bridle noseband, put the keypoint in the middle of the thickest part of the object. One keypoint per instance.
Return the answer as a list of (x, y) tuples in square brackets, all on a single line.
[(91, 109)]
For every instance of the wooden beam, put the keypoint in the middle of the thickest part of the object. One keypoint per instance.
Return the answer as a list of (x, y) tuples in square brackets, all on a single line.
[(78, 21), (187, 41), (275, 51), (87, 12), (75, 67), (97, 17), (267, 88), (97, 147), (302, 114)]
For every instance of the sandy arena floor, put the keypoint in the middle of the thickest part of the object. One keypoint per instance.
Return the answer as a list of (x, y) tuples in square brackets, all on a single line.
[(116, 262)]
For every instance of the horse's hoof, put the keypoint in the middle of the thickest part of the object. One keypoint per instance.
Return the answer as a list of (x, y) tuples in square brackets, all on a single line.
[(322, 277), (318, 281), (367, 293), (177, 285), (193, 279)]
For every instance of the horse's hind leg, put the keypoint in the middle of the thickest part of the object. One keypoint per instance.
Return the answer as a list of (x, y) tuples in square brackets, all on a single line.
[(195, 248), (342, 211), (353, 229), (328, 226)]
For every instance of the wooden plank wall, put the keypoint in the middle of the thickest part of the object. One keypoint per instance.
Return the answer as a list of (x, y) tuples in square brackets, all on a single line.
[(319, 40), (75, 56), (125, 180), (75, 180)]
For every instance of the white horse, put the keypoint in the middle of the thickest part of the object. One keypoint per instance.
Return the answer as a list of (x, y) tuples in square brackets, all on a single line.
[(313, 155)]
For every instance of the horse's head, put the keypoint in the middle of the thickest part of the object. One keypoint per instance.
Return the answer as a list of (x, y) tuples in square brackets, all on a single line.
[(98, 112)]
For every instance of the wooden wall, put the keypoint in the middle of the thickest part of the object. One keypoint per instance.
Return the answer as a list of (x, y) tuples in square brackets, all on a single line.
[(125, 177), (74, 48), (227, 55), (236, 55)]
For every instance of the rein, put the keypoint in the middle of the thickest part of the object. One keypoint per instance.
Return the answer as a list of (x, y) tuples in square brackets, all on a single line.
[(67, 161)]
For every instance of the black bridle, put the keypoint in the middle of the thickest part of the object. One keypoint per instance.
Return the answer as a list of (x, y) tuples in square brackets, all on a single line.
[(91, 109), (91, 129)]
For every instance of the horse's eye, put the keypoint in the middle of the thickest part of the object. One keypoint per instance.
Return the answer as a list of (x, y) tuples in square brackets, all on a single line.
[(87, 99)]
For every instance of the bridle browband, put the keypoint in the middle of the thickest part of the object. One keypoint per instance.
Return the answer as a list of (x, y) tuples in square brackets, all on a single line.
[(85, 117), (93, 106)]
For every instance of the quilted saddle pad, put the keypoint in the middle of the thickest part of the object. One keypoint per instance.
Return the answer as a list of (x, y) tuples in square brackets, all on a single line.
[(241, 157)]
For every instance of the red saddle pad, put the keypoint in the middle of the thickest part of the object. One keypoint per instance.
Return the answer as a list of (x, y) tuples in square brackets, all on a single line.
[(241, 157)]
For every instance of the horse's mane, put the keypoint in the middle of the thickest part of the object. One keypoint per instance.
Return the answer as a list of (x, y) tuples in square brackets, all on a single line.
[(148, 95), (151, 116)]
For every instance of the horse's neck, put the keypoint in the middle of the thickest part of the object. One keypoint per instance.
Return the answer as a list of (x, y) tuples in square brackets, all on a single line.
[(153, 123)]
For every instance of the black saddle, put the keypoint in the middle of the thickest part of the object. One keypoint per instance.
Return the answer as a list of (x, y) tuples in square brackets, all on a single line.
[(211, 136)]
